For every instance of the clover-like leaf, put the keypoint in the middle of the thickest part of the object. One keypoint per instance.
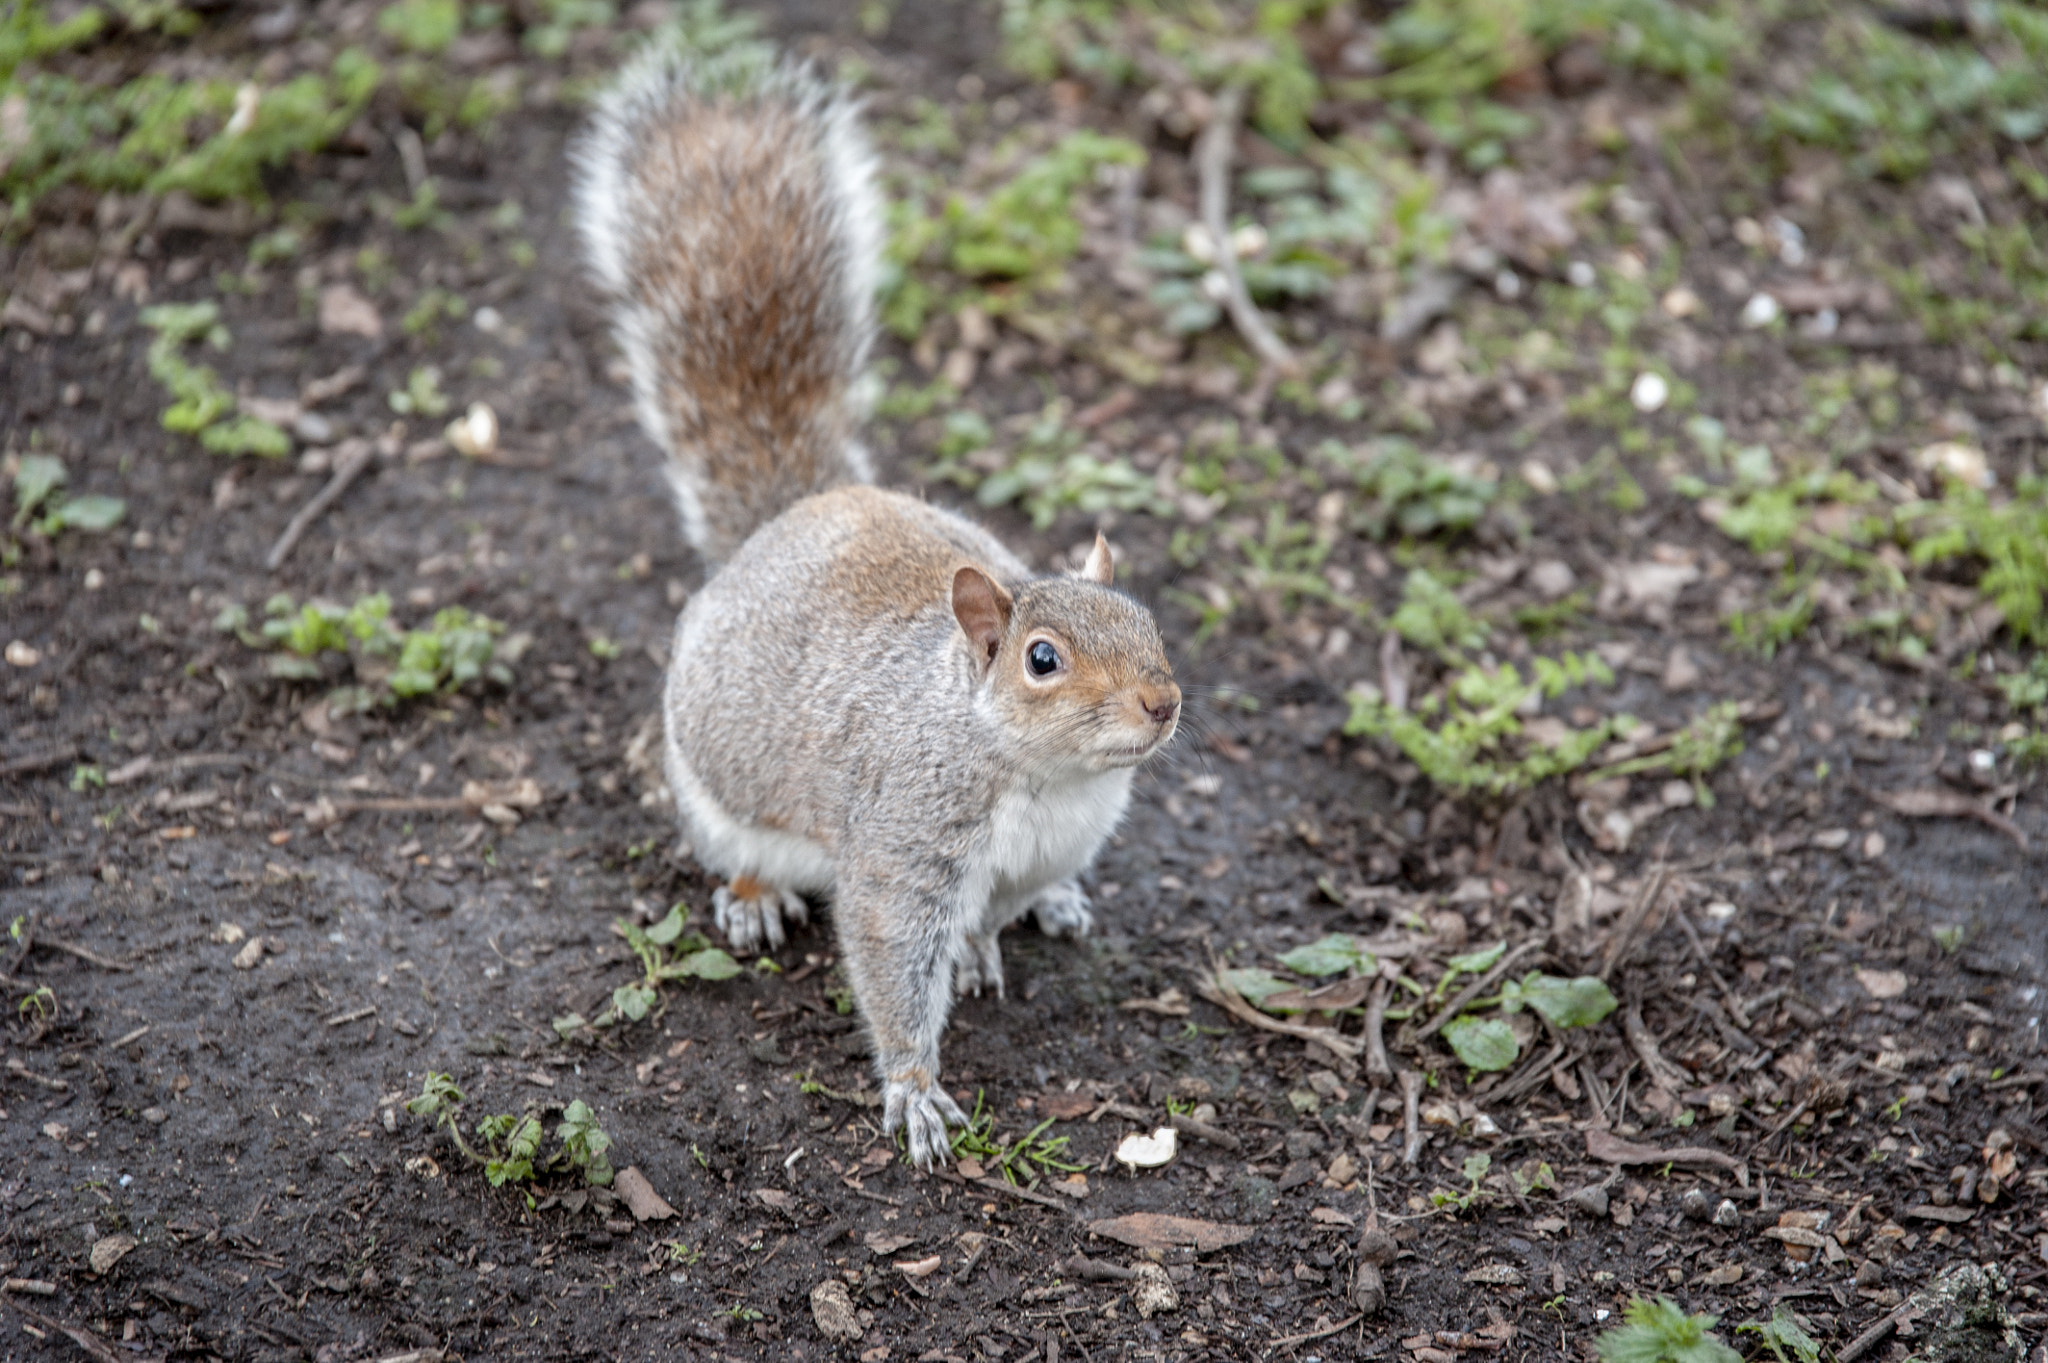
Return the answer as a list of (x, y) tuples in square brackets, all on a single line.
[(1329, 955), (1484, 1044), (1579, 1002), (708, 964)]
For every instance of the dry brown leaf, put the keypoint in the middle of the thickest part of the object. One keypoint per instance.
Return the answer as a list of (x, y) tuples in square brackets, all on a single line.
[(1881, 984), (1152, 1230), (639, 1196), (1936, 803), (1609, 1148)]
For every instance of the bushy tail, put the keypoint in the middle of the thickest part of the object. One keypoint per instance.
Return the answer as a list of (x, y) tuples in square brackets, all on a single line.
[(728, 205)]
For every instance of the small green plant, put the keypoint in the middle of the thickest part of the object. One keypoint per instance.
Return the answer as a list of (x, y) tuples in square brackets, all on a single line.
[(88, 776), (1710, 739), (1411, 494), (511, 1145), (1023, 1160), (39, 486), (1431, 616), (203, 407), (1487, 1044), (1659, 1331), (666, 953), (37, 1006), (1782, 1335), (1478, 742), (422, 395), (1475, 1169), (422, 25), (2009, 538), (390, 664)]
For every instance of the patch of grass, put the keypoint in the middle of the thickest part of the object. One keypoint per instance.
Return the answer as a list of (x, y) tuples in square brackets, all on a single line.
[(1706, 742), (427, 26), (39, 481), (1409, 493), (1471, 736), (390, 664), (1897, 104), (1048, 470), (511, 1146), (2009, 538), (1431, 616), (213, 138), (1782, 1335), (1022, 1160), (203, 406), (1017, 236), (1658, 1330)]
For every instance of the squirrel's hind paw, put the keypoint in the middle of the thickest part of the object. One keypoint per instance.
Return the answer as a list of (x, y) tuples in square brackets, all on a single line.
[(922, 1114), (751, 913), (981, 969), (1063, 910)]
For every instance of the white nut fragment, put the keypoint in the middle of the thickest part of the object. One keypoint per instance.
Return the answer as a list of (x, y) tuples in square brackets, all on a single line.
[(474, 434), (1650, 392), (1149, 1152)]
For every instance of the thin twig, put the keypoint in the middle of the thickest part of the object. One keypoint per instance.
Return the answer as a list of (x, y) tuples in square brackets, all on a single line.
[(1632, 921), (1213, 988), (1411, 1115), (91, 1343), (1212, 164), (354, 460), (86, 954), (1662, 1072), (1288, 1341), (39, 761), (1476, 988), (1377, 1069)]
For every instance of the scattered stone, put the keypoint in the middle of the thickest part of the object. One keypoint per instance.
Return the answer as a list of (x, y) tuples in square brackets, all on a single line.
[(345, 312), (251, 955), (1591, 1200), (1154, 1293), (1552, 578), (1696, 1205), (1681, 673), (832, 1311), (1649, 392), (1760, 311), (155, 1116), (1964, 463), (110, 1250), (1882, 984), (21, 653), (1727, 1215), (1681, 302)]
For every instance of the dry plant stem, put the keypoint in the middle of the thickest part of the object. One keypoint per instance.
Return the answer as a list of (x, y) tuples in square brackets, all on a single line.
[(1662, 1072), (1376, 1067), (1411, 1115), (1632, 921), (345, 473), (1212, 164), (1226, 998), (1533, 1073), (85, 954), (1287, 1341), (1202, 1131), (90, 1343), (1477, 987)]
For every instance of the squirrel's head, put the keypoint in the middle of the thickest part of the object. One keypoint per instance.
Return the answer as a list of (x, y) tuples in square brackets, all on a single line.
[(1072, 667)]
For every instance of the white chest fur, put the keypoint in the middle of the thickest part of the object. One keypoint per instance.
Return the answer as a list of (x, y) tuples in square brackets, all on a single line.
[(1044, 833)]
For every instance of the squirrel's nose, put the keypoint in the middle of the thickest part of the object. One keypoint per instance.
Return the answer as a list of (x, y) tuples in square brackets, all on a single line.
[(1162, 703), (1164, 711)]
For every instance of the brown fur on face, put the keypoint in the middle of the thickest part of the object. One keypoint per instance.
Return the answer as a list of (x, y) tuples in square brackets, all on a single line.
[(1112, 701)]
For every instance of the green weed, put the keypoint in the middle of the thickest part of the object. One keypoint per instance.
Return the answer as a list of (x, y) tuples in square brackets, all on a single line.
[(1023, 1160), (2008, 538), (665, 953), (39, 486), (203, 406), (1411, 494), (1782, 1335), (1471, 737), (1475, 1169), (1486, 1044), (511, 1145), (1431, 616), (1659, 1331), (390, 664), (1703, 745)]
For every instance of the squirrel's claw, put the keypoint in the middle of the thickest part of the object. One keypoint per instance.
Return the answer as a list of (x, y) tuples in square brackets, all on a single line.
[(1063, 910), (753, 922), (922, 1114)]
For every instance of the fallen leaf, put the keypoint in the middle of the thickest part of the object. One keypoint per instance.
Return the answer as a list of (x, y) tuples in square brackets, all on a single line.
[(639, 1196), (1330, 1216), (345, 312), (1609, 1148), (1066, 1106), (775, 1199), (1330, 998), (110, 1251), (832, 1309), (885, 1242), (1954, 1216), (1172, 1003), (1152, 1230), (970, 1168), (1882, 984)]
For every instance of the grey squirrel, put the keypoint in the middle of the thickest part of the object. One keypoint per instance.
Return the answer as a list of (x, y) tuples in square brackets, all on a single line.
[(870, 698)]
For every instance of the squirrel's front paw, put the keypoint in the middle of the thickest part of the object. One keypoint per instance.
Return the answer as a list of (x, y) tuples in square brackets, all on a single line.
[(1062, 910), (922, 1111), (750, 913), (980, 969)]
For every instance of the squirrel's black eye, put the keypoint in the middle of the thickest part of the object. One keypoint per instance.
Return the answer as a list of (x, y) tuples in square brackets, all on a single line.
[(1043, 659)]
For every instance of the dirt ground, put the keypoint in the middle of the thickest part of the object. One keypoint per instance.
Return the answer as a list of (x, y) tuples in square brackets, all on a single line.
[(204, 1151)]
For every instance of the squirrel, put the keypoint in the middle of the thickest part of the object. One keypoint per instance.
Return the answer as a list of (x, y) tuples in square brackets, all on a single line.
[(870, 698)]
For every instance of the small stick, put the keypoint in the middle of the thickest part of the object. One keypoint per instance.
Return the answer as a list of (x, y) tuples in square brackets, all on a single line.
[(85, 954), (1220, 994), (1376, 1067), (1212, 163), (1476, 988), (353, 462), (1662, 1072), (91, 1343), (1286, 1341), (1411, 1115), (1202, 1131), (1632, 921)]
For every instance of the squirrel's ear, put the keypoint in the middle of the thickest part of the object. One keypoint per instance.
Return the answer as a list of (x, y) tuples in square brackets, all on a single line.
[(983, 609), (1101, 566)]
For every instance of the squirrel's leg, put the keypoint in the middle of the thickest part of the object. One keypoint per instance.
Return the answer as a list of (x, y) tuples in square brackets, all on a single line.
[(750, 913), (900, 942), (981, 965), (1062, 910)]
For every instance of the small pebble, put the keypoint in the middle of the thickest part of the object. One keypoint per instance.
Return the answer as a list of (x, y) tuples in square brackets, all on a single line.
[(21, 653), (1580, 274), (1507, 286), (1681, 302), (489, 320), (94, 579), (1727, 1214), (475, 433), (155, 1116), (1983, 761), (72, 395), (1650, 392), (1760, 311), (1696, 1205), (1538, 476), (313, 429), (1873, 846)]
